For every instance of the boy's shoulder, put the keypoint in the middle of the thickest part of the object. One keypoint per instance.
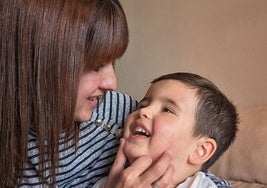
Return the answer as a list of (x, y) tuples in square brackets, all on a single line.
[(205, 179), (221, 183)]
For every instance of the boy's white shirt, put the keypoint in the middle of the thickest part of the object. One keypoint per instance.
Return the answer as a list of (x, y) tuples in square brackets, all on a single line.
[(198, 180)]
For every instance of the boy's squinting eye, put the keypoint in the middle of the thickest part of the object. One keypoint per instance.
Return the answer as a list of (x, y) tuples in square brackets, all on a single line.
[(168, 110)]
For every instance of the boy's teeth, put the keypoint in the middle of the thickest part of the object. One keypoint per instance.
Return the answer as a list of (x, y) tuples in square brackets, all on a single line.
[(141, 131)]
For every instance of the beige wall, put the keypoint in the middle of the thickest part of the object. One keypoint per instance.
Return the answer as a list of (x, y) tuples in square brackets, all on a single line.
[(223, 40)]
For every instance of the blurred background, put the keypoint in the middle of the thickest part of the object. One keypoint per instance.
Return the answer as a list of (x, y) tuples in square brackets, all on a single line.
[(222, 40)]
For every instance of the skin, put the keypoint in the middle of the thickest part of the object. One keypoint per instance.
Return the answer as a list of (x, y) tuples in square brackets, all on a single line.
[(166, 114), (142, 173), (92, 85), (168, 153)]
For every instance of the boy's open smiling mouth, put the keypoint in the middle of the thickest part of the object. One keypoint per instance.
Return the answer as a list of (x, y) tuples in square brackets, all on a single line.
[(140, 131)]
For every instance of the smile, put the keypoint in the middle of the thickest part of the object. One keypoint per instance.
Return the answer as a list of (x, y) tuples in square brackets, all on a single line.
[(95, 98), (141, 131), (92, 98)]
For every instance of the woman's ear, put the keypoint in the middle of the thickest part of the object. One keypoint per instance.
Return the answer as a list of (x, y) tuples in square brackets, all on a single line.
[(203, 151)]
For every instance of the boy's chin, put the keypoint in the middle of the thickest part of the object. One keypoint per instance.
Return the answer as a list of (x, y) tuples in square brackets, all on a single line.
[(132, 159), (133, 153)]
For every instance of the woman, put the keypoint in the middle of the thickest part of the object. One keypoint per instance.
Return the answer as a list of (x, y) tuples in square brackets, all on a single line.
[(57, 70), (57, 60)]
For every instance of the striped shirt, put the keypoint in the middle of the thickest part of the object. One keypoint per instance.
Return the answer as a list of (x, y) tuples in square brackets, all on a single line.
[(97, 147)]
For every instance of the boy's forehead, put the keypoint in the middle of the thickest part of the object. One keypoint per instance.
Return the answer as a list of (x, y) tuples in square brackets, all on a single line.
[(167, 85), (173, 89)]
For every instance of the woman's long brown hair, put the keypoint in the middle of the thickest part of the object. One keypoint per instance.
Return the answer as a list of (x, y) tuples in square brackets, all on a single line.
[(46, 45)]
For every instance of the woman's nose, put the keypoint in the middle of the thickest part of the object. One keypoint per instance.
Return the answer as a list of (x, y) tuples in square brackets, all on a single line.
[(108, 80)]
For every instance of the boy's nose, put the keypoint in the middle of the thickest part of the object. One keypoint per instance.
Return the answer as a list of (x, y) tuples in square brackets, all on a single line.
[(145, 113)]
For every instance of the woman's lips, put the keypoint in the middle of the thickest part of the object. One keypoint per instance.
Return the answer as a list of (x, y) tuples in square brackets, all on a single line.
[(94, 100)]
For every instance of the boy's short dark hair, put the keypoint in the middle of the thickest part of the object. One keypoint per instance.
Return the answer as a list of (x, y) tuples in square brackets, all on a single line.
[(216, 116)]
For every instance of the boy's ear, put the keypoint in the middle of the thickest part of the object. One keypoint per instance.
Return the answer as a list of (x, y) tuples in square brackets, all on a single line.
[(204, 150)]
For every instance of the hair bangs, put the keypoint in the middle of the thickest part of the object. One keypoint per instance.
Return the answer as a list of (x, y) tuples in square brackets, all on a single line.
[(108, 39)]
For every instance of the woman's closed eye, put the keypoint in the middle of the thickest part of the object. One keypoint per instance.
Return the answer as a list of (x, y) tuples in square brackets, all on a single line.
[(99, 67)]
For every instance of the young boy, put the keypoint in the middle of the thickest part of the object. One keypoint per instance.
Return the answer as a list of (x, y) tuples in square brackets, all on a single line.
[(189, 116)]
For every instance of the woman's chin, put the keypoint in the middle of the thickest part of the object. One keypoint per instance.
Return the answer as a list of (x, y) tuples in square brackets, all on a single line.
[(83, 117)]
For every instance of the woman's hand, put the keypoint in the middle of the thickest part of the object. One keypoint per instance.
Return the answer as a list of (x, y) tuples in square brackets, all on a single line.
[(141, 173)]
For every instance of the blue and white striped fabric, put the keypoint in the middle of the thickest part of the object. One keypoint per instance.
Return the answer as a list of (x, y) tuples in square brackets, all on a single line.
[(220, 183), (97, 147)]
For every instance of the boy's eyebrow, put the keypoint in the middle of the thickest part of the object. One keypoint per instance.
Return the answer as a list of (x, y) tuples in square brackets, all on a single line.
[(163, 99), (171, 101)]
